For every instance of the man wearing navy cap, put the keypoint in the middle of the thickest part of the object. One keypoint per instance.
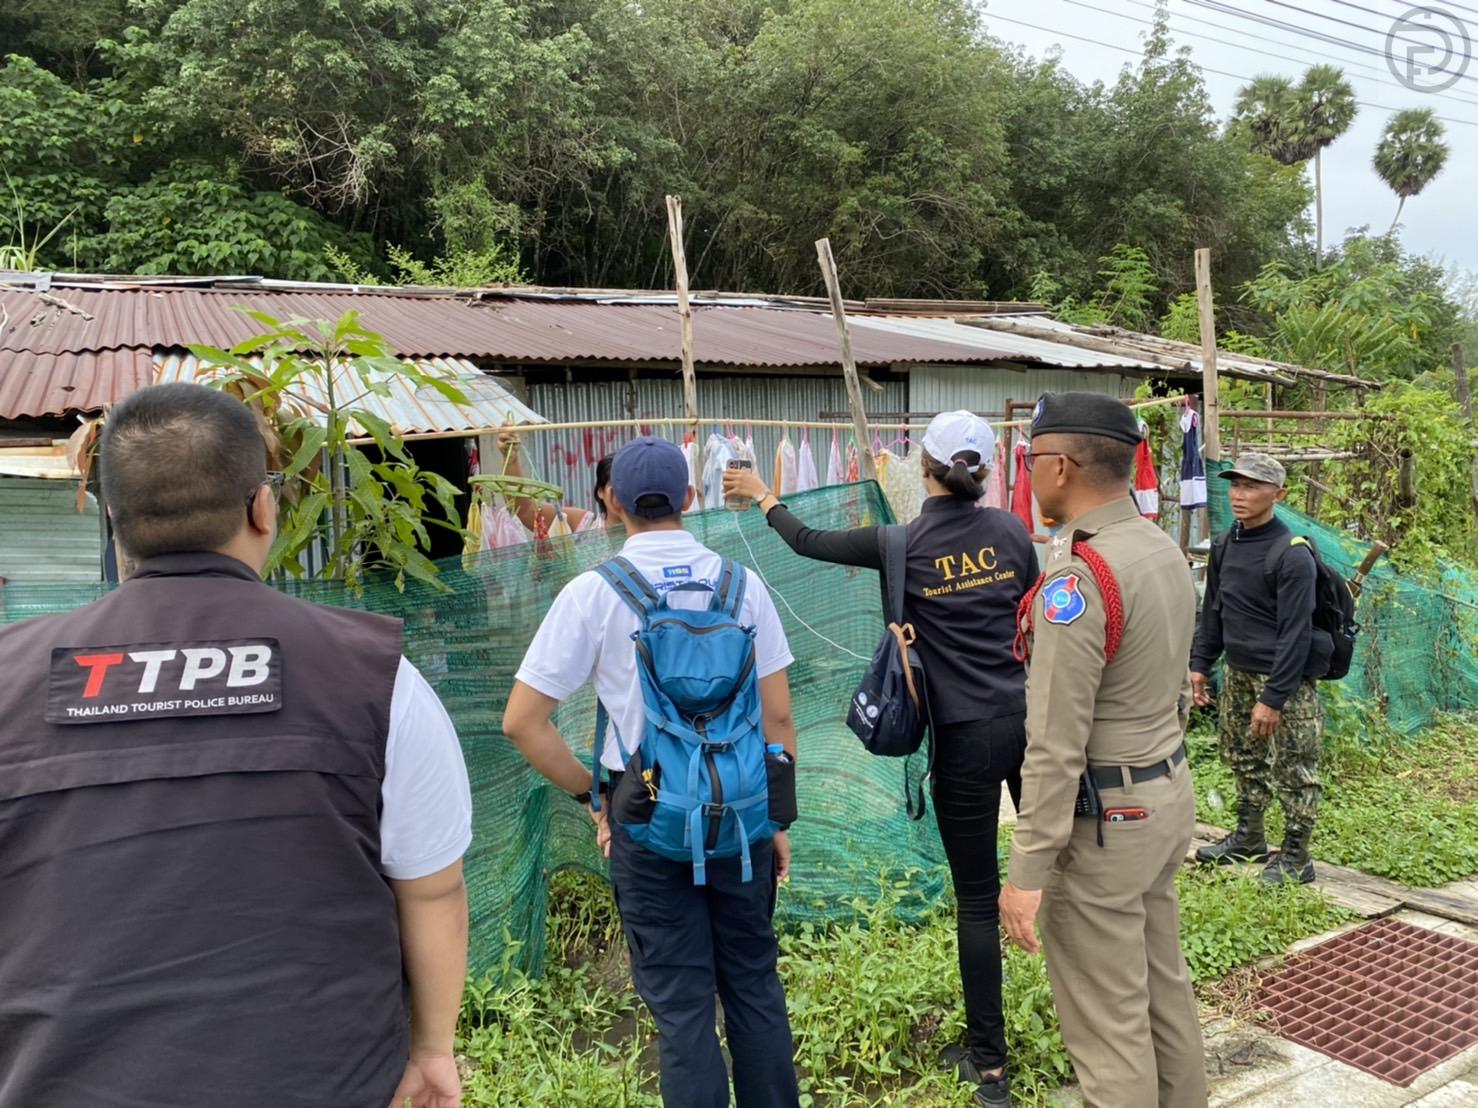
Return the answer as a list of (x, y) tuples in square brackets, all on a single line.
[(1106, 808), (688, 942)]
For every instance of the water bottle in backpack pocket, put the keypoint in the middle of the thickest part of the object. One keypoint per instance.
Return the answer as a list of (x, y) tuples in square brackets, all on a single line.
[(697, 786)]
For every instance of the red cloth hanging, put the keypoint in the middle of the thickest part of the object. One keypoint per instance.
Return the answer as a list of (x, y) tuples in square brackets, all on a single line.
[(1146, 481), (1021, 491)]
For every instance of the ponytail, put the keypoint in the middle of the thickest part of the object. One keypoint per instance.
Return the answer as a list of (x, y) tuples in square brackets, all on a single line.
[(962, 482)]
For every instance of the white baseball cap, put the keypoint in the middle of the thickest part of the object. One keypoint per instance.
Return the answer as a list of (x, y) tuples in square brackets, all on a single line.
[(962, 436)]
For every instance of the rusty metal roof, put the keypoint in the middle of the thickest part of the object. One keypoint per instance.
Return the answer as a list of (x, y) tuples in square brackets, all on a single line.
[(78, 348)]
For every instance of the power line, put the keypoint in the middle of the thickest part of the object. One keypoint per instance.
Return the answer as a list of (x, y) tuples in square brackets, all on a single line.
[(1387, 34), (1198, 65), (1237, 46), (1295, 29)]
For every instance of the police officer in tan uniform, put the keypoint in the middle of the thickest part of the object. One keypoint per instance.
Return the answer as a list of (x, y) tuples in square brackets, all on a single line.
[(1108, 635)]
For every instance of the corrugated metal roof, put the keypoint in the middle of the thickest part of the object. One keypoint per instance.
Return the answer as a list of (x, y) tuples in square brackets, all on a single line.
[(1021, 347), (33, 385), (504, 330), (409, 411), (76, 349)]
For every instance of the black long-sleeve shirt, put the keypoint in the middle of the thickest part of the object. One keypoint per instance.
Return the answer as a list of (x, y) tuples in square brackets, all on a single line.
[(967, 571), (1261, 630)]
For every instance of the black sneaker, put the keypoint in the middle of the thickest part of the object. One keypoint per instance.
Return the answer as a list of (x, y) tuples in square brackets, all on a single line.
[(990, 1092)]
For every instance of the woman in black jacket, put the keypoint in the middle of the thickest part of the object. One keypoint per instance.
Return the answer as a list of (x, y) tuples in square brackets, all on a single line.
[(967, 571)]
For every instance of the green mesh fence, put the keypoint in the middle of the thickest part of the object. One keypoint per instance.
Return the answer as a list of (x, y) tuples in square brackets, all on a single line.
[(469, 642), (1417, 654)]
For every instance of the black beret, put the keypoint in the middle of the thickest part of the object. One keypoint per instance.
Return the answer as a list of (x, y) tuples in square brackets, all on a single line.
[(1085, 413)]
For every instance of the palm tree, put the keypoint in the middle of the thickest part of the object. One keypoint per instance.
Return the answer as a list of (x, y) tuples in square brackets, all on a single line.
[(1410, 153), (1324, 107), (1262, 109)]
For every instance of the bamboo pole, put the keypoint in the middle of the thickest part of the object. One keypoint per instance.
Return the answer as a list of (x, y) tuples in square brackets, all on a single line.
[(1465, 398), (1210, 409), (1321, 398), (849, 367), (684, 309), (1237, 413), (664, 421)]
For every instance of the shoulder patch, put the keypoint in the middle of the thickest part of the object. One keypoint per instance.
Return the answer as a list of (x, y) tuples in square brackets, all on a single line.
[(1062, 599)]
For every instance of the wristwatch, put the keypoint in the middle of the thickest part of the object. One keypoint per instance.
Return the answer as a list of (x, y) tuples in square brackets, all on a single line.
[(760, 503), (584, 798)]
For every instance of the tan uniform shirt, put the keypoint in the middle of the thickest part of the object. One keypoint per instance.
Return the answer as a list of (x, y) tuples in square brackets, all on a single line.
[(1078, 709)]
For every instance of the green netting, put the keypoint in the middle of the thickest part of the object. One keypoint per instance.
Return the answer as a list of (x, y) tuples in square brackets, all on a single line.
[(469, 642), (1417, 654)]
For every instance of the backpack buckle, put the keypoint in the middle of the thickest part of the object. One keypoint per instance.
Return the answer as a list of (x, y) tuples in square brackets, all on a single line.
[(713, 811)]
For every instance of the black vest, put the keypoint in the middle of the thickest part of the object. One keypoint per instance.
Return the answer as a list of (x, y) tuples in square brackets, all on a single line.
[(191, 906)]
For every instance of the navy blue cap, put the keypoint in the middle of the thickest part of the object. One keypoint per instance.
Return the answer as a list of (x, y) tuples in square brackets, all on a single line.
[(650, 466)]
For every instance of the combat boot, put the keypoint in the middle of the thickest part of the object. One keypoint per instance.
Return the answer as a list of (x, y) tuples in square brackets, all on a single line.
[(1246, 844), (1292, 863)]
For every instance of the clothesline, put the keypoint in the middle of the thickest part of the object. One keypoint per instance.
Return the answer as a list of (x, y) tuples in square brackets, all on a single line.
[(664, 421)]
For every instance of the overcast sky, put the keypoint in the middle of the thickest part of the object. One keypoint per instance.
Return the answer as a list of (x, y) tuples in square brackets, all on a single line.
[(1442, 222)]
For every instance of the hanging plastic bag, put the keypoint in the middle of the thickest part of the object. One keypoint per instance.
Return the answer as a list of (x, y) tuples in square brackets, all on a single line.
[(854, 469), (786, 463), (835, 474), (805, 468), (501, 529)]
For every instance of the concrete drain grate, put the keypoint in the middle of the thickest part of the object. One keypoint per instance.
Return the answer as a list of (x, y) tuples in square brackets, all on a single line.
[(1388, 998)]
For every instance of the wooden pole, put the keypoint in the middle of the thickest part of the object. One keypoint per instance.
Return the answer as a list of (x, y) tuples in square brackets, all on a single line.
[(684, 309), (1210, 410), (849, 367), (1311, 500), (1465, 398)]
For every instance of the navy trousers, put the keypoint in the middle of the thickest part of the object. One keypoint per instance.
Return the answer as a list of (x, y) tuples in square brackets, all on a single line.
[(691, 942)]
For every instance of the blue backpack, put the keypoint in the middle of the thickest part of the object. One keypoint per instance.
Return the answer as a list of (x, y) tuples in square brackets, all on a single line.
[(696, 787)]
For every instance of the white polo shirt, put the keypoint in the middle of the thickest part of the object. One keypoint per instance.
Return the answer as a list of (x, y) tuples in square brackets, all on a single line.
[(426, 804), (587, 634)]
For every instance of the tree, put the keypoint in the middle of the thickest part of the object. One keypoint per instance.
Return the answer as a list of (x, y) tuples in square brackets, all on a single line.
[(1264, 110), (1410, 153), (1323, 109)]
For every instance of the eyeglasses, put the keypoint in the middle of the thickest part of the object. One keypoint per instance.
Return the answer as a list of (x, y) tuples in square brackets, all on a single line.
[(1031, 459), (273, 481)]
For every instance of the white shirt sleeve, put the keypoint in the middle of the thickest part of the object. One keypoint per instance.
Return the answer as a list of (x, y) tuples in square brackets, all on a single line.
[(564, 650), (426, 817), (772, 650)]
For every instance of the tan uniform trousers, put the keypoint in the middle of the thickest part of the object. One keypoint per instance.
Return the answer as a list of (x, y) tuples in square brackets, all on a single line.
[(1110, 924)]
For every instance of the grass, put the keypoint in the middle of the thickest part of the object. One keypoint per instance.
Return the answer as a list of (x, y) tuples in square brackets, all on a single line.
[(1403, 809), (872, 1001)]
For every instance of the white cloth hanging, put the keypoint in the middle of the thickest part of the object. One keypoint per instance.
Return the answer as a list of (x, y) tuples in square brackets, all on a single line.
[(716, 455)]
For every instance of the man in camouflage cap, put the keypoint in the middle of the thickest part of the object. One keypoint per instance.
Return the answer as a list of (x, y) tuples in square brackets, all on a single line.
[(1258, 610)]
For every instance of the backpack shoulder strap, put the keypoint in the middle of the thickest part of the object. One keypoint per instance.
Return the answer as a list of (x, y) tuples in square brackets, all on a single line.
[(630, 586), (1275, 557), (895, 567), (733, 583)]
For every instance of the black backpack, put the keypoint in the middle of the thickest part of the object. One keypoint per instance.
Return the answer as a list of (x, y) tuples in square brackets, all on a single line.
[(889, 711), (1334, 603)]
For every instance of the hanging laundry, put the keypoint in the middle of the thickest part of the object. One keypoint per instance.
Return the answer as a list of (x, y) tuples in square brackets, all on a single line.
[(500, 529), (995, 482), (1146, 480), (853, 468), (786, 462), (835, 474), (1021, 491), (805, 469), (716, 456), (902, 479), (1192, 468), (695, 471)]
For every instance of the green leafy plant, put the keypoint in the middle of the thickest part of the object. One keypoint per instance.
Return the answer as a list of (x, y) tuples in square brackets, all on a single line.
[(497, 264), (369, 512)]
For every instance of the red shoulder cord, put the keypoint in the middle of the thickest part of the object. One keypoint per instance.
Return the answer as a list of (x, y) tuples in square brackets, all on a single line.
[(1113, 606)]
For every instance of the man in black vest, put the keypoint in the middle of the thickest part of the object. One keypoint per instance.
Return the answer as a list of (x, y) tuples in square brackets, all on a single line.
[(231, 822)]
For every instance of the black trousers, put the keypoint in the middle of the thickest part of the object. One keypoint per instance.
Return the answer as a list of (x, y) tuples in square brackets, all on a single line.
[(691, 942), (972, 761)]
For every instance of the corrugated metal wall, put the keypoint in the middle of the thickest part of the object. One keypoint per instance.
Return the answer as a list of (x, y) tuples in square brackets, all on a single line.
[(43, 537), (568, 457), (976, 389)]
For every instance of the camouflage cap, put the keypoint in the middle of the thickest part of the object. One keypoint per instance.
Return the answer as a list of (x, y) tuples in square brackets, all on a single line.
[(1258, 467)]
